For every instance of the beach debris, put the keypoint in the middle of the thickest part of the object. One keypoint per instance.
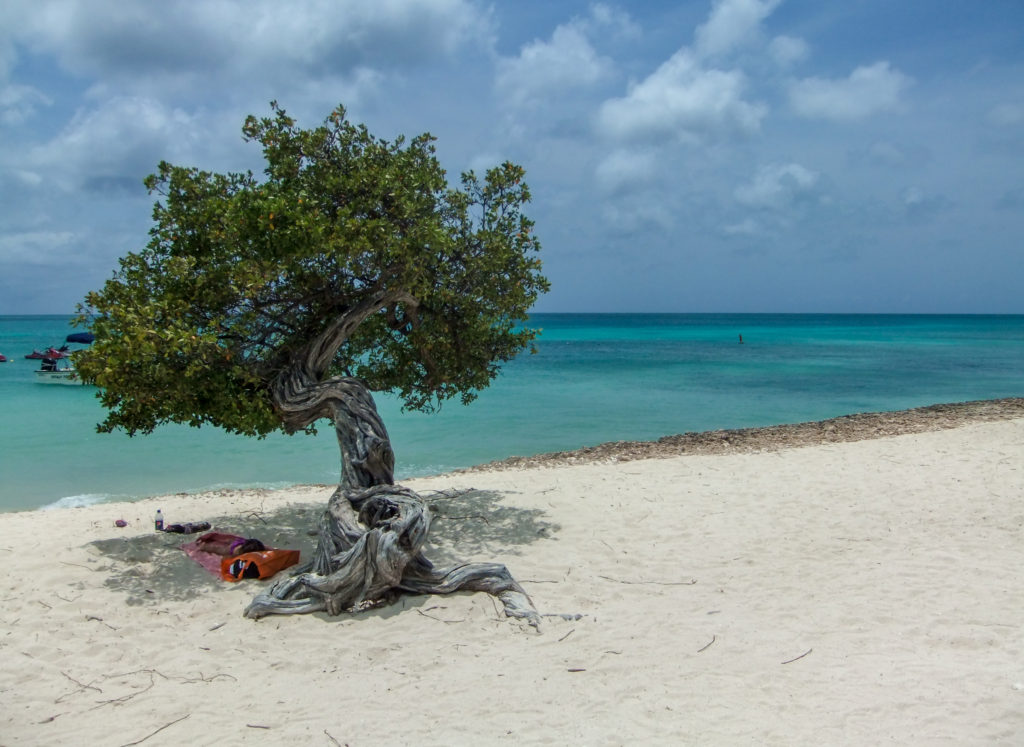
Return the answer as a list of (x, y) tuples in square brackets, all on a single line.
[(190, 527), (120, 523), (691, 582), (432, 617), (706, 646), (797, 658), (95, 618), (140, 741), (81, 687)]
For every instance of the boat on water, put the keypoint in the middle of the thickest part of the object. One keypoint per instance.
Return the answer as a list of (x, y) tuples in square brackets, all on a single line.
[(3, 358), (61, 352), (56, 367), (57, 371)]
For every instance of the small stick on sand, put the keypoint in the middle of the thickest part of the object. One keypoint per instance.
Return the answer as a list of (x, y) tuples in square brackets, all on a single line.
[(172, 723), (790, 661), (691, 582)]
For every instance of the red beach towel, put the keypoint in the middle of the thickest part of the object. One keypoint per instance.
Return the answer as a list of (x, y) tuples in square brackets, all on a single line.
[(233, 558)]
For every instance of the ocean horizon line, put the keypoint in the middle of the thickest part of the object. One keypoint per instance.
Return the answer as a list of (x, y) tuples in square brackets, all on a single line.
[(70, 315)]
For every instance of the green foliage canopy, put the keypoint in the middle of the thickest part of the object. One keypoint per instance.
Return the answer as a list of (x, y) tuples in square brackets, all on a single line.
[(351, 256)]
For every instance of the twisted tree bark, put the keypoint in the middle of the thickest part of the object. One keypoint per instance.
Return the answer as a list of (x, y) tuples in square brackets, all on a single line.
[(372, 532)]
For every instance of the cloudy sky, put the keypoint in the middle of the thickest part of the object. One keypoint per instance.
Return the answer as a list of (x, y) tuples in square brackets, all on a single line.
[(695, 155)]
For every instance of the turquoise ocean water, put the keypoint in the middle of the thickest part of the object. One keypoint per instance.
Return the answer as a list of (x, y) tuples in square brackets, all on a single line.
[(596, 378)]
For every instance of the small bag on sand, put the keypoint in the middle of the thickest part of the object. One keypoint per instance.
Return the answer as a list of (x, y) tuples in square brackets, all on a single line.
[(260, 564)]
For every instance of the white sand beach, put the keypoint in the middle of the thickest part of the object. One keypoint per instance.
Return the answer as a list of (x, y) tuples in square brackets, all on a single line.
[(861, 592)]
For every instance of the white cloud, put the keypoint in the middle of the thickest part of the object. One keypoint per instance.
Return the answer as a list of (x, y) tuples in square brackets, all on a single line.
[(918, 203), (35, 247), (777, 186), (241, 38), (746, 227), (114, 145), (731, 24), (868, 89), (481, 162), (1007, 115), (623, 169), (638, 216), (622, 25), (28, 178), (7, 57), (887, 154), (681, 101), (19, 103), (384, 33), (788, 50), (12, 21), (547, 68)]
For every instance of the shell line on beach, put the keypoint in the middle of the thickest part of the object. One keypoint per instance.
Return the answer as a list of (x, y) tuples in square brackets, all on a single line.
[(842, 429)]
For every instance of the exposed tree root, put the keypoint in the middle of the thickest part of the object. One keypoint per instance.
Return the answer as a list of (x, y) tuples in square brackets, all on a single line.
[(373, 531), (376, 556)]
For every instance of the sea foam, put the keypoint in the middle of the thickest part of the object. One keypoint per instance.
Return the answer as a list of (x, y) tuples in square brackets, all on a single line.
[(78, 501)]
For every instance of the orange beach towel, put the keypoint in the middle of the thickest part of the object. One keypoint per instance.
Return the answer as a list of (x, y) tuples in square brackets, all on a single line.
[(234, 558), (260, 564)]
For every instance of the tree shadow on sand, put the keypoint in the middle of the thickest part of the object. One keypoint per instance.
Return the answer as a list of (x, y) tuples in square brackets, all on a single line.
[(474, 525), (152, 568)]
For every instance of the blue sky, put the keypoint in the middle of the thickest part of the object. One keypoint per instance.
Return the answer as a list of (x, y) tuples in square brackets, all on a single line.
[(690, 156)]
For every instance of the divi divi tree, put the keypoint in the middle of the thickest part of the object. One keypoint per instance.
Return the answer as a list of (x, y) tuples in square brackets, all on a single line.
[(271, 303)]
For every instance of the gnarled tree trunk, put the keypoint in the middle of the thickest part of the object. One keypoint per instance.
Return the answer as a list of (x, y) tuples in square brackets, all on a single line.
[(372, 531)]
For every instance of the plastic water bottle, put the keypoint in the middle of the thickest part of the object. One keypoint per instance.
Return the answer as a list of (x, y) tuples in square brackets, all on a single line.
[(158, 523)]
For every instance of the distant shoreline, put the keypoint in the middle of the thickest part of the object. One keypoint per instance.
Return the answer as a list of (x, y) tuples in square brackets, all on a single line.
[(757, 439), (750, 440), (845, 428)]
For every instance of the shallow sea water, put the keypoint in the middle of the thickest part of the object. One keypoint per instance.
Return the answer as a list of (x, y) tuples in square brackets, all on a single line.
[(595, 378)]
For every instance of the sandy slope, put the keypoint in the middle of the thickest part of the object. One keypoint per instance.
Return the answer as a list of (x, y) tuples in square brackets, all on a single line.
[(841, 593)]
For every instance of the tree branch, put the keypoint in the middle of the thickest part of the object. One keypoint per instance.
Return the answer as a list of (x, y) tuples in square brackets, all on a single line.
[(322, 350)]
